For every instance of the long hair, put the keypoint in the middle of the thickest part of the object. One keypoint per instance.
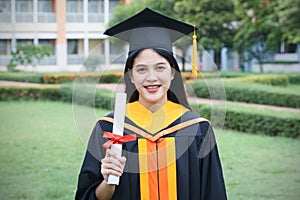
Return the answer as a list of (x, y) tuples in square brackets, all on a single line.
[(176, 92)]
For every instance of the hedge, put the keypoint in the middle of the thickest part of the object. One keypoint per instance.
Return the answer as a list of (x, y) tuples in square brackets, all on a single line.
[(82, 77), (246, 92), (61, 78), (268, 79), (294, 78), (100, 99), (29, 93), (30, 77), (249, 122)]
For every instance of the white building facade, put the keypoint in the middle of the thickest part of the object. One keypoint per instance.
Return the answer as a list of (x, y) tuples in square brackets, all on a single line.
[(72, 27)]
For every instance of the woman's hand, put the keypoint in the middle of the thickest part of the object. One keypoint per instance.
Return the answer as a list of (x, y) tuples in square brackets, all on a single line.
[(112, 164)]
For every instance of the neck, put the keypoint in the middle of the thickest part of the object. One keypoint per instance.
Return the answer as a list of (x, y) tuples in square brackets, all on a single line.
[(153, 107)]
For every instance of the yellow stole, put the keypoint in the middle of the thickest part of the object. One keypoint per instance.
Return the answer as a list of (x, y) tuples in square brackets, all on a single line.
[(157, 159)]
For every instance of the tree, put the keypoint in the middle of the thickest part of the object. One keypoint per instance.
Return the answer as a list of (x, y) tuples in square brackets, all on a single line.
[(28, 55), (288, 20), (258, 31), (215, 20)]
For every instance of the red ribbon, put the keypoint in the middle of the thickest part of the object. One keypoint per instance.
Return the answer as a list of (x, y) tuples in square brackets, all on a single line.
[(117, 139)]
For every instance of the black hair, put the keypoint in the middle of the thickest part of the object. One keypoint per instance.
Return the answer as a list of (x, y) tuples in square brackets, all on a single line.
[(176, 92)]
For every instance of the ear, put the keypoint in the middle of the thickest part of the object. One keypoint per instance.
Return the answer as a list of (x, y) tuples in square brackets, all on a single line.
[(173, 73), (131, 77)]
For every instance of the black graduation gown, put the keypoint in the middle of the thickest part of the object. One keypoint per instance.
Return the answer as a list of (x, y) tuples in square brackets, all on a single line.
[(198, 168)]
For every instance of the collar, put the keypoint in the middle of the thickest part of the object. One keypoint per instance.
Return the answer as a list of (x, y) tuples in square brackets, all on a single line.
[(154, 122)]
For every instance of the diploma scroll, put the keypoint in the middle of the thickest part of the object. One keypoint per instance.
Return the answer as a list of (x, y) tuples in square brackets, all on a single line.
[(118, 128)]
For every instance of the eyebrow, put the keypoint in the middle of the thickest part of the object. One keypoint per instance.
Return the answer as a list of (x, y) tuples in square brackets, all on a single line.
[(161, 63), (140, 65), (144, 65)]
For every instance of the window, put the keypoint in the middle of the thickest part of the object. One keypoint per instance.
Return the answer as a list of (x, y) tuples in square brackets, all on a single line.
[(24, 5), (45, 6), (94, 6), (24, 41), (113, 4), (3, 47), (4, 6), (291, 48), (72, 46), (48, 42), (74, 6), (117, 47)]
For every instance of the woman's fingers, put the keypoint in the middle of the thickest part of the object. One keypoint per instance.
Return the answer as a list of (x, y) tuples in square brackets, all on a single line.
[(112, 164)]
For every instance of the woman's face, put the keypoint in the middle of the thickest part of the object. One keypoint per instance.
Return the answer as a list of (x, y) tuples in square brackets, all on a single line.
[(151, 75)]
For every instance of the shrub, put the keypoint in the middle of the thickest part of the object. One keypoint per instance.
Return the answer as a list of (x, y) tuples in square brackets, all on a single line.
[(294, 78), (29, 93), (58, 78), (29, 54), (268, 79), (61, 78), (247, 92), (30, 77), (100, 98), (82, 77), (246, 121)]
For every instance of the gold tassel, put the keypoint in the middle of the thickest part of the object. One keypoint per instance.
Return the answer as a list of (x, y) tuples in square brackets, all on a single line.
[(194, 57)]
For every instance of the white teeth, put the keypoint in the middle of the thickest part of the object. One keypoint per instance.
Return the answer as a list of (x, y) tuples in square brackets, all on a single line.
[(152, 87)]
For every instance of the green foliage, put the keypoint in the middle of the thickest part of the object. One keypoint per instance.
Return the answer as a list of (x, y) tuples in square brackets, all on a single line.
[(258, 32), (288, 20), (272, 124), (100, 98), (60, 78), (248, 92), (29, 55), (214, 19), (30, 77), (294, 78), (29, 93), (275, 80)]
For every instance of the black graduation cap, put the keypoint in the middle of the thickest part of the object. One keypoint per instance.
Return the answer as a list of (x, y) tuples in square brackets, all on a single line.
[(150, 29)]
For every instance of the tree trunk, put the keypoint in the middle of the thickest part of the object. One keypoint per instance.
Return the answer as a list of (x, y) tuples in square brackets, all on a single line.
[(261, 67), (183, 62), (218, 59)]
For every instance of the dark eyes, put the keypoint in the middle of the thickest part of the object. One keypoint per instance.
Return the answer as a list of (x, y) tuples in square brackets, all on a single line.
[(141, 69), (144, 69)]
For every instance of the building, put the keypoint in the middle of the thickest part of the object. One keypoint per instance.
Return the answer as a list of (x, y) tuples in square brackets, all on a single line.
[(72, 27)]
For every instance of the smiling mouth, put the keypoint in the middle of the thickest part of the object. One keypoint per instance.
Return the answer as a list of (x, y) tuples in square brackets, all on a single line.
[(152, 88)]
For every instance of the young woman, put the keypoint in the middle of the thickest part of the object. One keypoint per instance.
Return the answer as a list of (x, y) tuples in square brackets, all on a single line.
[(174, 155)]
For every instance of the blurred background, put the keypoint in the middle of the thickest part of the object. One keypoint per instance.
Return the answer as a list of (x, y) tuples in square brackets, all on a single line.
[(59, 73)]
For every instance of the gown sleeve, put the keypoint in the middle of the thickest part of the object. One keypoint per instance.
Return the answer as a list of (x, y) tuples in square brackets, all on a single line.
[(212, 181), (90, 174)]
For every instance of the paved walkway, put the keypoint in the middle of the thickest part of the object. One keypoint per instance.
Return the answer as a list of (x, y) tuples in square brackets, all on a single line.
[(116, 87)]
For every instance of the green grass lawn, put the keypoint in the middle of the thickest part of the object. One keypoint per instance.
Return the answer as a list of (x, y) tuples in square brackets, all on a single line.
[(41, 154)]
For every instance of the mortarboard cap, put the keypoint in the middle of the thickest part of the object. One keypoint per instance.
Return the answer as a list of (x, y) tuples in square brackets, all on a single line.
[(150, 29)]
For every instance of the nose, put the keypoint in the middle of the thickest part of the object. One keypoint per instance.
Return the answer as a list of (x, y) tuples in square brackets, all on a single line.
[(151, 76)]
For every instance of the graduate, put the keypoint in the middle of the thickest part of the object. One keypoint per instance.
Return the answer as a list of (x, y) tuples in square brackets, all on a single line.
[(168, 152)]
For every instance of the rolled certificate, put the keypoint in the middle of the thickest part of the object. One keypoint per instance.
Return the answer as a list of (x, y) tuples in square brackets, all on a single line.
[(118, 128)]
